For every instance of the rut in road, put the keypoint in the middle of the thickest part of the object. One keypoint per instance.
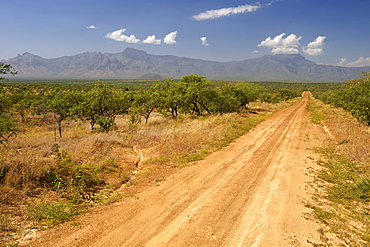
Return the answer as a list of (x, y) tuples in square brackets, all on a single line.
[(248, 194)]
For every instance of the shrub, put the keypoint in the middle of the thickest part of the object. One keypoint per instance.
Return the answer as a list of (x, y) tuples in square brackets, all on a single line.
[(355, 98), (70, 178)]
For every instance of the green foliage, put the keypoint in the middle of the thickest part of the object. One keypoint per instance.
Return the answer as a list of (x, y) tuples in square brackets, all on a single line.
[(195, 88), (223, 98), (106, 123), (70, 178), (246, 93), (317, 116), (7, 128), (61, 105), (143, 104), (356, 97), (194, 94), (101, 105), (168, 96), (51, 214), (6, 69)]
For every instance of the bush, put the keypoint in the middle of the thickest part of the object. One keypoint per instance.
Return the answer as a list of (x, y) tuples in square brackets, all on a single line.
[(355, 98), (70, 178)]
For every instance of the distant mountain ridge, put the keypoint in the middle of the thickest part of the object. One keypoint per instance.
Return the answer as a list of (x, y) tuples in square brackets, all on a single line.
[(134, 64)]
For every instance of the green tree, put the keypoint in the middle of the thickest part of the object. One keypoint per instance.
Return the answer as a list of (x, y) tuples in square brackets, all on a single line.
[(223, 98), (101, 105), (87, 110), (196, 98), (246, 93), (168, 96), (23, 105), (143, 105), (61, 106)]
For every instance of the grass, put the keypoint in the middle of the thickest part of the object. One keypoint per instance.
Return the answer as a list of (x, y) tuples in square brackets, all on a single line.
[(342, 198), (315, 108), (49, 214)]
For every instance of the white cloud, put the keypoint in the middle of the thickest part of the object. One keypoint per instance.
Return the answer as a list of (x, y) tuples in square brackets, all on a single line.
[(343, 62), (361, 62), (152, 40), (217, 13), (315, 47), (281, 45), (204, 41), (255, 52), (170, 38), (118, 36), (91, 27)]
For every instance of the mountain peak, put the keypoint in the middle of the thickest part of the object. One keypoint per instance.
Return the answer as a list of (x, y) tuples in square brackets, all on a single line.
[(295, 59), (27, 54), (135, 54)]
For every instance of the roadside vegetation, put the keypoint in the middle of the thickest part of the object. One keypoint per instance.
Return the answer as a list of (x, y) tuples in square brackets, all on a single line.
[(342, 198)]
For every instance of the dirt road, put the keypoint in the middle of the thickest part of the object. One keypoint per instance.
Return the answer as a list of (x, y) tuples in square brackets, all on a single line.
[(250, 193)]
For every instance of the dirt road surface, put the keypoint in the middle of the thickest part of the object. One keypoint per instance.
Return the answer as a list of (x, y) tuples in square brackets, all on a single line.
[(250, 193)]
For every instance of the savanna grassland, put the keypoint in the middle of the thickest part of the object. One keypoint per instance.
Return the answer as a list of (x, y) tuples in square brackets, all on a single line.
[(69, 146)]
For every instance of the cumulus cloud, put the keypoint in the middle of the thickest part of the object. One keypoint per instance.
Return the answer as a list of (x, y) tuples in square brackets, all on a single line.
[(281, 45), (204, 41), (118, 36), (316, 47), (170, 38), (217, 13), (343, 62), (255, 52), (91, 27), (361, 62), (152, 40)]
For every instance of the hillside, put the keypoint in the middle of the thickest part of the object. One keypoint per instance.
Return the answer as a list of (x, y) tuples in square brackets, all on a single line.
[(133, 64)]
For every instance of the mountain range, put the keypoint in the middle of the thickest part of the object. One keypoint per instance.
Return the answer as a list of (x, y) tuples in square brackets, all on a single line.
[(134, 64)]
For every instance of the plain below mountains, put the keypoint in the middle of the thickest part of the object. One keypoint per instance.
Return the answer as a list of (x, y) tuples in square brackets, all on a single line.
[(135, 64)]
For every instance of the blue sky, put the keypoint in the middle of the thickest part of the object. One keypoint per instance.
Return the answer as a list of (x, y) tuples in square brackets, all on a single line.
[(324, 31)]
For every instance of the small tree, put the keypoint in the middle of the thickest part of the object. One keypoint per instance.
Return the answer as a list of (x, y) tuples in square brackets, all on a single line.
[(101, 106), (61, 105), (168, 96), (196, 89), (143, 104)]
